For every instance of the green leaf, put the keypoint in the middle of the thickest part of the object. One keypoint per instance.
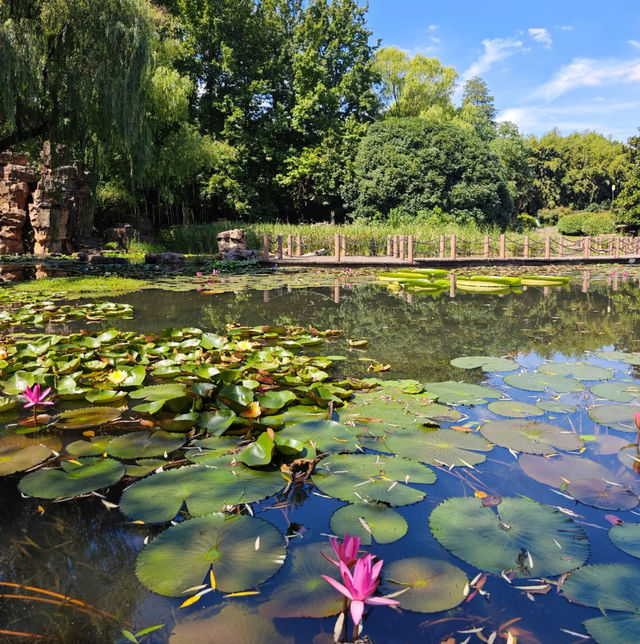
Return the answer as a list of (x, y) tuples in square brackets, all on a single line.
[(530, 436), (460, 393), (540, 381), (365, 520), (487, 363), (259, 452)]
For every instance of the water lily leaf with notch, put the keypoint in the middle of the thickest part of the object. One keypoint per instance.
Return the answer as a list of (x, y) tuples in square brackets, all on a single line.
[(361, 477), (577, 370), (497, 541), (530, 436), (621, 356), (236, 397), (365, 520), (102, 396), (87, 417), (135, 375), (602, 494), (216, 422), (537, 381), (487, 363), (207, 448), (460, 393), (556, 406), (95, 446), (144, 444), (560, 470), (73, 480), (18, 382), (439, 447), (241, 551), (433, 584), (144, 466), (274, 401), (626, 536), (156, 393), (179, 423), (621, 391), (325, 436), (206, 488), (615, 416), (7, 404), (19, 453), (259, 452), (302, 592), (295, 414), (514, 408)]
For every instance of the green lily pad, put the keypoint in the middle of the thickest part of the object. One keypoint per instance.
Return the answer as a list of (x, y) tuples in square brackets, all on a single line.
[(19, 453), (618, 417), (614, 629), (87, 417), (460, 393), (621, 356), (514, 408), (179, 423), (236, 397), (102, 396), (621, 391), (144, 466), (274, 401), (626, 536), (204, 488), (217, 422), (530, 436), (602, 494), (241, 551), (556, 406), (95, 446), (7, 404), (259, 452), (325, 436), (487, 363), (560, 470), (375, 477), (577, 370), (536, 381), (145, 444), (433, 584), (439, 447), (73, 480), (513, 536), (159, 392), (365, 520)]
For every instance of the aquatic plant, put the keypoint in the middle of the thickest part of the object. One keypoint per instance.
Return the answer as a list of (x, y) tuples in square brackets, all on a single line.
[(35, 398)]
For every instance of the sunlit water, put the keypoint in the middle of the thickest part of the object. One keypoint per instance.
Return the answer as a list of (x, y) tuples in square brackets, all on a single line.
[(84, 550)]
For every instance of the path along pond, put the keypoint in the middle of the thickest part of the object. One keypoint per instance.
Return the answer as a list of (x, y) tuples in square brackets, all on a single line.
[(204, 444)]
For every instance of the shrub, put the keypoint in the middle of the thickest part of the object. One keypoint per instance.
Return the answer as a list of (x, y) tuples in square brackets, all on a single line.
[(572, 224), (553, 215), (601, 206), (599, 224), (526, 222)]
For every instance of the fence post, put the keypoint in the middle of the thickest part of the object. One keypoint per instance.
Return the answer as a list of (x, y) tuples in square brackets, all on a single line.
[(503, 246), (486, 246), (336, 249), (616, 247), (547, 247), (525, 250), (586, 245), (289, 245), (560, 249), (279, 247), (265, 247), (389, 246), (344, 245), (441, 246), (410, 249), (610, 246), (402, 247), (453, 247), (298, 245), (395, 246)]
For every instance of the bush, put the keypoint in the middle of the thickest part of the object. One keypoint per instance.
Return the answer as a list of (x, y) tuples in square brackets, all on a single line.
[(601, 206), (553, 215), (572, 224), (599, 224), (526, 222)]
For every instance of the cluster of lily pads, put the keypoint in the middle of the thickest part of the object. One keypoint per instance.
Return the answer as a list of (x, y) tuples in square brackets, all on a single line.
[(197, 427), (434, 281)]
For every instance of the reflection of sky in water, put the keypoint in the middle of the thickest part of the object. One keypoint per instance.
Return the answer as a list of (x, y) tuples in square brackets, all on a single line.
[(88, 552)]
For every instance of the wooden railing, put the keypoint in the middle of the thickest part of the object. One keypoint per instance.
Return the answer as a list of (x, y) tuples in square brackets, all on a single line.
[(449, 247)]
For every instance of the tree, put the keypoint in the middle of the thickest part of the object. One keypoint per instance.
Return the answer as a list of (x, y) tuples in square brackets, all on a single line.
[(627, 205), (478, 108), (417, 165)]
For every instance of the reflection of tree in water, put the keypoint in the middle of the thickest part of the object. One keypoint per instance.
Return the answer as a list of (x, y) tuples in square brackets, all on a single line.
[(77, 549)]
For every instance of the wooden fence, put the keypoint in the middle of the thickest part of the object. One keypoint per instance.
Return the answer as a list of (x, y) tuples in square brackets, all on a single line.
[(449, 247)]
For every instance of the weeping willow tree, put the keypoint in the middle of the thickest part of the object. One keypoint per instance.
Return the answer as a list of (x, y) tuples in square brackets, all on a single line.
[(75, 72)]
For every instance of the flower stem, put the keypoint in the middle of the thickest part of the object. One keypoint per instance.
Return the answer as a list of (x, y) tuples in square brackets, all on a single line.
[(344, 621), (355, 632), (35, 415)]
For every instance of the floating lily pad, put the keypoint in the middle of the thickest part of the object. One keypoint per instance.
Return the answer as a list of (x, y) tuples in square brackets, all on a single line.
[(487, 363), (439, 447), (145, 444), (159, 392), (273, 401), (621, 356), (434, 585), (577, 370), (365, 520), (602, 494), (556, 406), (530, 436), (361, 477), (626, 536), (630, 457), (522, 535), (614, 629), (204, 488), (302, 592), (144, 466), (621, 391), (19, 453), (73, 480), (95, 446), (560, 470), (618, 417), (241, 551), (514, 408), (217, 422), (325, 436), (87, 417), (460, 393), (536, 381), (103, 396)]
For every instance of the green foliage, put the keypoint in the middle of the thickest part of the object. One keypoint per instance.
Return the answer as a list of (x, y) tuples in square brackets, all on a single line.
[(478, 109), (601, 223), (628, 204), (417, 165), (572, 224), (553, 215)]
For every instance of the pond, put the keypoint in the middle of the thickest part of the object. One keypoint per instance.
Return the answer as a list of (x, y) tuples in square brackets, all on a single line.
[(479, 483)]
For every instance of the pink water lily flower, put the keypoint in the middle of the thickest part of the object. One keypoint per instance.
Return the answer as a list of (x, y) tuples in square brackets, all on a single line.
[(37, 398), (347, 551), (199, 274), (360, 585), (214, 272), (636, 416)]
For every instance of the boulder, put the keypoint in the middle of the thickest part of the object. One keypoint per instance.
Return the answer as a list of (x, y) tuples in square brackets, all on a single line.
[(240, 254), (170, 259), (121, 234), (231, 240), (16, 179)]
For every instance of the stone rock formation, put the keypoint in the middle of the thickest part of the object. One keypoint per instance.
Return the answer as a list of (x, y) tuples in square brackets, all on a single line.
[(232, 240), (121, 234), (16, 180), (171, 259)]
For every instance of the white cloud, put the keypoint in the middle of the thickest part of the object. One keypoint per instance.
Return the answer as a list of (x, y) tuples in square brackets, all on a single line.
[(541, 35), (495, 50), (635, 43), (589, 72), (566, 28), (432, 27), (435, 40)]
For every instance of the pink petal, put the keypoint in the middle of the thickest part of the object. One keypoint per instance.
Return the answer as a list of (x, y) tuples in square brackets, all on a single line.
[(45, 402), (333, 561), (381, 601), (338, 586), (375, 572), (357, 608), (348, 579), (29, 404), (47, 391), (613, 519)]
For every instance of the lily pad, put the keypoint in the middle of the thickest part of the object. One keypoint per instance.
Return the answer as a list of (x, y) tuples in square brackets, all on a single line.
[(514, 408), (530, 436), (602, 494), (556, 406), (302, 592), (614, 629), (519, 535), (439, 447), (87, 417), (365, 520), (95, 446), (19, 453), (159, 392), (217, 422), (73, 480), (618, 417), (537, 381), (626, 536), (325, 436), (560, 470), (621, 391), (577, 370), (487, 363), (361, 477), (241, 551), (433, 584), (460, 393), (621, 356), (145, 444)]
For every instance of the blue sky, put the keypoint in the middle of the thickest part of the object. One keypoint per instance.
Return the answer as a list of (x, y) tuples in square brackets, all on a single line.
[(574, 64)]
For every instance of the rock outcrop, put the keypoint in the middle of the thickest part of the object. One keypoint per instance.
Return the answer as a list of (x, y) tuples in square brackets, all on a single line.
[(16, 182)]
